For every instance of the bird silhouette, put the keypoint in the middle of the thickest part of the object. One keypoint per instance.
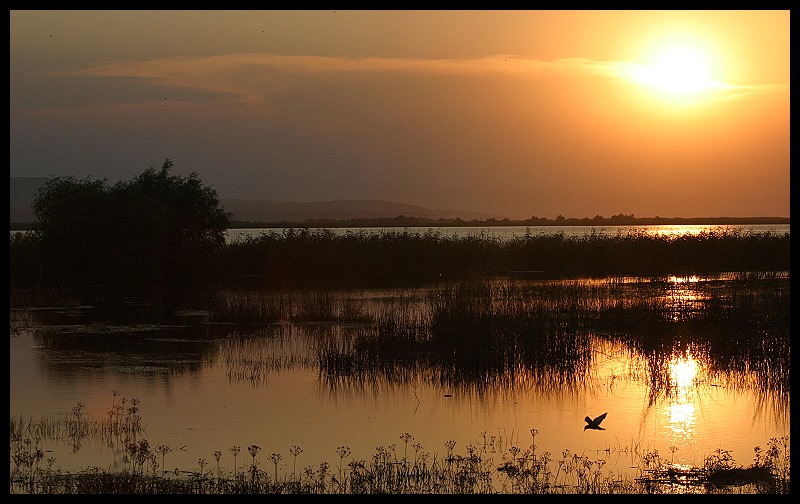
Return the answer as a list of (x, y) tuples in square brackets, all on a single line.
[(595, 424)]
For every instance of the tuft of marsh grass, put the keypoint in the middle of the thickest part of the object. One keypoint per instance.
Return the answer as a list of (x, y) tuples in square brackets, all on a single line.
[(120, 430)]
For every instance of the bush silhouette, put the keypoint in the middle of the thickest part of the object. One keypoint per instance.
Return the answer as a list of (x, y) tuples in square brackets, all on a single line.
[(149, 239)]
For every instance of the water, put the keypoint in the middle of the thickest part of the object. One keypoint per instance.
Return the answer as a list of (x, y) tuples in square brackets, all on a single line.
[(510, 232), (196, 397)]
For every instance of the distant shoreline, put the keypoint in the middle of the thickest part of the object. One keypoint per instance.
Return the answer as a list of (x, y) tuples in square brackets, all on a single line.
[(403, 221)]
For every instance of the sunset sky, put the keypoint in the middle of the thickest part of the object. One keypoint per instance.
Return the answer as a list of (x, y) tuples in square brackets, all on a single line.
[(510, 113)]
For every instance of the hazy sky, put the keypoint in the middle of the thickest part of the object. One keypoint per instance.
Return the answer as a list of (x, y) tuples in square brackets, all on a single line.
[(513, 113)]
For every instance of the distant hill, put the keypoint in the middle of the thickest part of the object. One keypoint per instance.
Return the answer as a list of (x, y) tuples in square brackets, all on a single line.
[(23, 189), (370, 212), (290, 211)]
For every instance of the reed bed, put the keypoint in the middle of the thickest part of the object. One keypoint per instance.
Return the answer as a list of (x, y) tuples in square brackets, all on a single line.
[(299, 258), (302, 257)]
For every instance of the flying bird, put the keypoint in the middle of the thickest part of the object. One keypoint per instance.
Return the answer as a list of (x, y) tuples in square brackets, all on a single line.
[(595, 424)]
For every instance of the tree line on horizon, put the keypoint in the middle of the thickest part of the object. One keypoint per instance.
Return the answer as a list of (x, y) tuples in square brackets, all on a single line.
[(598, 220)]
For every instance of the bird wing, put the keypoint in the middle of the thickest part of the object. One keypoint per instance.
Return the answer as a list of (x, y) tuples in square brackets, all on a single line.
[(588, 420), (599, 419)]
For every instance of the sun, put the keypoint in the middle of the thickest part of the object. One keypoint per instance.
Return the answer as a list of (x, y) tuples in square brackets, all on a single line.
[(677, 71)]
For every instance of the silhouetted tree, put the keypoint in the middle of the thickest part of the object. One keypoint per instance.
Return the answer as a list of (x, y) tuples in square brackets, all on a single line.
[(151, 237)]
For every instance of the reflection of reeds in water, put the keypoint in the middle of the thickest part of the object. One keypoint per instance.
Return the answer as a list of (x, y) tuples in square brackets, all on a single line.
[(464, 337), (484, 333), (119, 430), (391, 349), (482, 330), (738, 329), (253, 355), (266, 307)]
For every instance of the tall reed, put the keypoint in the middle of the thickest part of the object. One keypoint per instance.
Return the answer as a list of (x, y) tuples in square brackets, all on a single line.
[(320, 258)]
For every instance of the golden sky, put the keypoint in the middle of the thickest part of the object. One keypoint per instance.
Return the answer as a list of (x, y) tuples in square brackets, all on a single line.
[(509, 113)]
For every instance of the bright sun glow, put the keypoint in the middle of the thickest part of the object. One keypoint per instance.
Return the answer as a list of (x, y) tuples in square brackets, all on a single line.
[(677, 71)]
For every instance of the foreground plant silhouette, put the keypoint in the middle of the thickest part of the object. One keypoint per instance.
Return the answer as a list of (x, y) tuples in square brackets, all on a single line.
[(519, 471)]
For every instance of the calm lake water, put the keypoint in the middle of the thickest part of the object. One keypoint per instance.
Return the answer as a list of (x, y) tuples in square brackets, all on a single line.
[(509, 232), (206, 387)]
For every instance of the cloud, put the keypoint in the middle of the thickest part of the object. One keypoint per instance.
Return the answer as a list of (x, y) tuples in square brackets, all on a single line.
[(250, 78)]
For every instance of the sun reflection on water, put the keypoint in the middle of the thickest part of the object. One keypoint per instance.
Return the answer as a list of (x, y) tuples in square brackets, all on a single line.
[(683, 371), (684, 296), (681, 410)]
